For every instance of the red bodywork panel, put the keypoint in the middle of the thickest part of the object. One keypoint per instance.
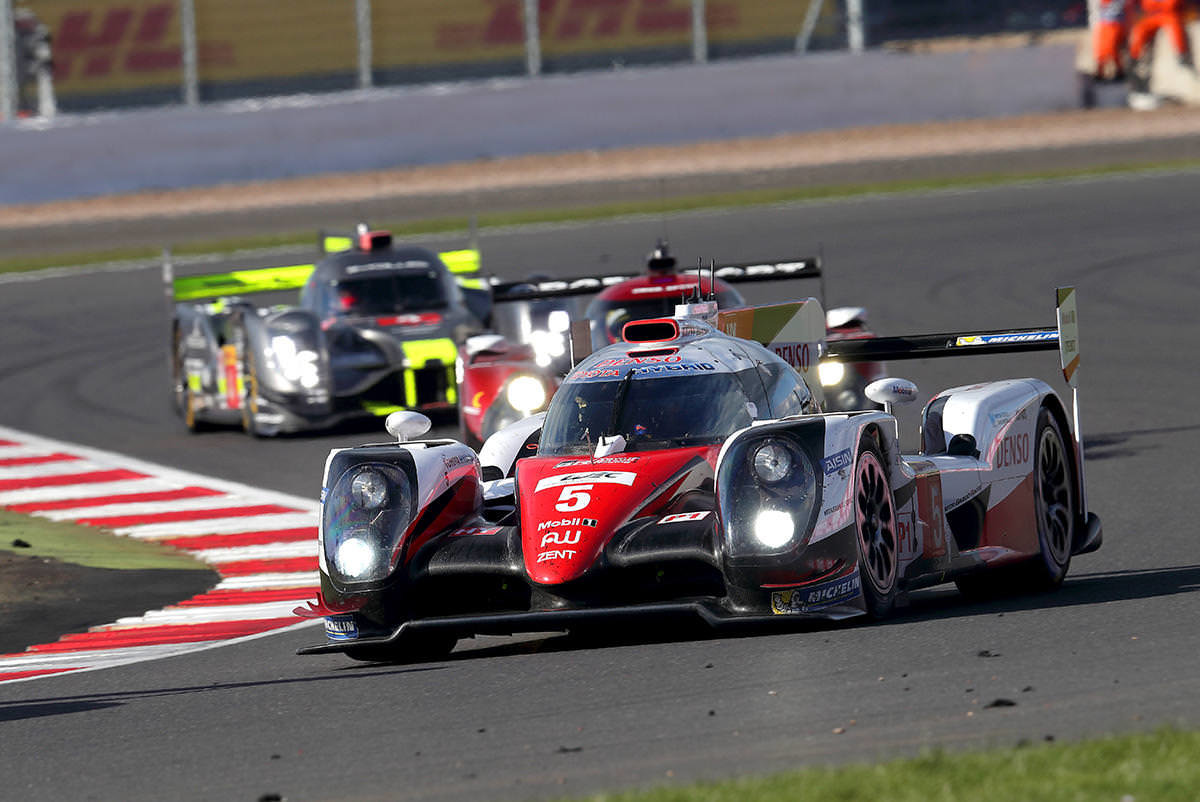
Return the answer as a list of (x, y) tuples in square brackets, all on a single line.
[(484, 375), (572, 507)]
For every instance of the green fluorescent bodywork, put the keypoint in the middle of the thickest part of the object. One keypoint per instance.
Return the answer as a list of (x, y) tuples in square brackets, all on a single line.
[(292, 277)]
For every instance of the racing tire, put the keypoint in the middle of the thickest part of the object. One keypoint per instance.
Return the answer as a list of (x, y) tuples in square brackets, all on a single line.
[(412, 648), (875, 528), (1054, 512), (249, 374), (1054, 505)]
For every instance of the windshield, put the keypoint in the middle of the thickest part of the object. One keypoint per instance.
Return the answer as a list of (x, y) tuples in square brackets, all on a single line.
[(612, 316), (388, 293), (649, 412)]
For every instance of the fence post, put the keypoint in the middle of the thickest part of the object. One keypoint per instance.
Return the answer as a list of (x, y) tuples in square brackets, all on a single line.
[(810, 24), (362, 18), (8, 63), (191, 62), (855, 34), (699, 33), (533, 40)]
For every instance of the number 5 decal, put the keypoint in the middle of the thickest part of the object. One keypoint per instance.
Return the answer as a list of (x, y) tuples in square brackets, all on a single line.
[(573, 497)]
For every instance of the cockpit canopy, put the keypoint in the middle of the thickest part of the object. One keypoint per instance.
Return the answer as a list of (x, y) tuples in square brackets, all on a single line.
[(695, 393)]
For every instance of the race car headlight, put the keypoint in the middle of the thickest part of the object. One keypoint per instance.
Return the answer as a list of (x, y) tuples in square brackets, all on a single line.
[(773, 528), (354, 557), (547, 346), (295, 364), (772, 462), (365, 513), (831, 373), (768, 494), (526, 394), (369, 489)]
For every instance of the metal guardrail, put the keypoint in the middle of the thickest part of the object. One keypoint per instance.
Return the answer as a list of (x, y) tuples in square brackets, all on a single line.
[(114, 53)]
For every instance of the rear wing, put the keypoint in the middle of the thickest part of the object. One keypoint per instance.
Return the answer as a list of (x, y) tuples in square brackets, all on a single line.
[(1063, 337), (275, 279), (734, 273)]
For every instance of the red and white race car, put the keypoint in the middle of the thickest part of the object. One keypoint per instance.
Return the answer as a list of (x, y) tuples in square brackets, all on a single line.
[(513, 374), (688, 471)]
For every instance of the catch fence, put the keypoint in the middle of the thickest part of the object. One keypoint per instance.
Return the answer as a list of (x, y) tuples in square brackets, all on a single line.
[(119, 53)]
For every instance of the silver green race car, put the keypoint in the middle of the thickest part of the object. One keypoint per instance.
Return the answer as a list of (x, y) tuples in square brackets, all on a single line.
[(376, 330)]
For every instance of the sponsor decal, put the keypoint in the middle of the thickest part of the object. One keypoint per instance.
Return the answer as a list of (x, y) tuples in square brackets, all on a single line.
[(836, 462), (638, 360), (556, 554), (1004, 339), (818, 597), (798, 355), (603, 373), (412, 263), (1013, 451), (663, 288), (674, 368), (586, 477), (560, 538), (588, 522), (424, 319), (837, 509), (573, 463), (450, 463), (341, 627), (471, 531), (681, 517), (965, 497), (1000, 418)]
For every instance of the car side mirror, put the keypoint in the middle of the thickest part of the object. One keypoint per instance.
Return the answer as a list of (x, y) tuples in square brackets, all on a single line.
[(891, 391), (406, 425)]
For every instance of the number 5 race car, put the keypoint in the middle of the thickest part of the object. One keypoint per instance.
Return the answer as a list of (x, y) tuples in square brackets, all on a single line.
[(687, 471), (377, 330)]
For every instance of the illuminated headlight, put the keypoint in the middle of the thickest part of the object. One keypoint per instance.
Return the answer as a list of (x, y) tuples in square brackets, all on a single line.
[(773, 528), (547, 346), (298, 366), (354, 558), (369, 489), (772, 462), (831, 373), (526, 394)]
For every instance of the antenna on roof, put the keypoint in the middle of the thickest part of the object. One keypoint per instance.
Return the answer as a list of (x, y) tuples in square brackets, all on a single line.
[(712, 279)]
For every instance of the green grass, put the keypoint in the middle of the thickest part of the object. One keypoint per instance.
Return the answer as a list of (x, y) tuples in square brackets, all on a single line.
[(1156, 767), (305, 239), (86, 546)]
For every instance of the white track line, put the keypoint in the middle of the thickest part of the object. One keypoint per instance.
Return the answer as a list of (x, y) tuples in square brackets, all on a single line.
[(301, 513)]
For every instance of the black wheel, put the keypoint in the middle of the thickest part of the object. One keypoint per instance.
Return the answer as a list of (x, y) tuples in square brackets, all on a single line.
[(249, 410), (412, 648), (1054, 506), (878, 544), (1054, 513)]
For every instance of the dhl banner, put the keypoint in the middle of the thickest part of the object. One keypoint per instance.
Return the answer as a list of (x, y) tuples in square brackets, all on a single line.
[(107, 46)]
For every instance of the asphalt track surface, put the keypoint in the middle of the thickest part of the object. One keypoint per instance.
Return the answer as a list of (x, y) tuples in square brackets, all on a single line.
[(1113, 651)]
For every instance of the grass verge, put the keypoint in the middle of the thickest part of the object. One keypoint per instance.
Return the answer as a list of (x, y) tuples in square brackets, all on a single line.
[(409, 228), (85, 546), (1155, 767)]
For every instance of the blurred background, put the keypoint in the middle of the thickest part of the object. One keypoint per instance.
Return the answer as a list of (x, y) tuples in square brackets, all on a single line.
[(103, 54)]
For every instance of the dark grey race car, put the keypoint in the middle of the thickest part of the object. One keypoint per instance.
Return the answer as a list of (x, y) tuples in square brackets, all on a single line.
[(377, 329)]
